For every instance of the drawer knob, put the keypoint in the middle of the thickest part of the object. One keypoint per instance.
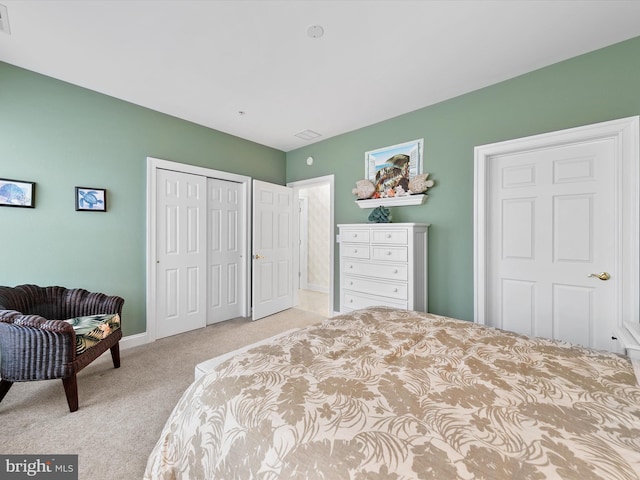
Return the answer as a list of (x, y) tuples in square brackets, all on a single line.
[(351, 300), (388, 235), (350, 266), (351, 283), (355, 250), (388, 252), (395, 290), (395, 271)]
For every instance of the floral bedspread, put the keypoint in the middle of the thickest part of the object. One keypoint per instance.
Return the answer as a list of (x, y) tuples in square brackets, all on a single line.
[(389, 394)]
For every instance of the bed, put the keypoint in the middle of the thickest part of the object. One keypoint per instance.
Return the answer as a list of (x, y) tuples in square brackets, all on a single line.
[(392, 394)]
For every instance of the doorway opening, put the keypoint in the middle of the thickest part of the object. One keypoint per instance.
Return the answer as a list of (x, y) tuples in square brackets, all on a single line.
[(314, 248)]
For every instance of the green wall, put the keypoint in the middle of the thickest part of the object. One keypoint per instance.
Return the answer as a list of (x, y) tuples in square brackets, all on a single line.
[(61, 136), (596, 87)]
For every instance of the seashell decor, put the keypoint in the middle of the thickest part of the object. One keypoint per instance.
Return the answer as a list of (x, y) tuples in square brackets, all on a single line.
[(418, 184), (364, 189)]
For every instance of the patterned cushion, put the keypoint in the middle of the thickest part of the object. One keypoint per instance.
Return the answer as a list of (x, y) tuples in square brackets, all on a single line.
[(93, 328)]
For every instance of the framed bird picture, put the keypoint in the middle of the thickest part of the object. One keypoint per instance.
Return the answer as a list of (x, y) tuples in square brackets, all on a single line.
[(89, 199), (393, 166)]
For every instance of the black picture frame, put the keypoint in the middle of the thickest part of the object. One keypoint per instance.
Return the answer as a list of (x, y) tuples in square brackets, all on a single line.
[(90, 199), (17, 193)]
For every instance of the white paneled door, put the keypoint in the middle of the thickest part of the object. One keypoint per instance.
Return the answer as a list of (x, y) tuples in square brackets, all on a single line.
[(226, 226), (181, 252), (552, 259), (272, 249), (556, 235)]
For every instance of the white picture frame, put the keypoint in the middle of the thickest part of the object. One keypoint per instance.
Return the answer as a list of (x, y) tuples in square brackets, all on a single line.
[(391, 166)]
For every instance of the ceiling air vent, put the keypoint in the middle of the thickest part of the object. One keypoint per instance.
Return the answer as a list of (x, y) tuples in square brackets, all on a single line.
[(4, 20), (308, 135)]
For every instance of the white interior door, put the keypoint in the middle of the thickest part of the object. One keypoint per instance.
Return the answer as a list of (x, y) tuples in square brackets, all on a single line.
[(551, 227), (226, 278), (181, 252), (550, 211), (272, 249)]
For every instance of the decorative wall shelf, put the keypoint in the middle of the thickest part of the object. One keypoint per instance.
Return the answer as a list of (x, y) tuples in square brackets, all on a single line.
[(393, 201)]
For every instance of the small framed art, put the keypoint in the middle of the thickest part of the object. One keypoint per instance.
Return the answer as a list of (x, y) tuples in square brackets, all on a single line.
[(17, 193), (89, 199)]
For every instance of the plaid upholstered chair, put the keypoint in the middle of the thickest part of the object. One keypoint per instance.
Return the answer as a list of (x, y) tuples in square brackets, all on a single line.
[(54, 332)]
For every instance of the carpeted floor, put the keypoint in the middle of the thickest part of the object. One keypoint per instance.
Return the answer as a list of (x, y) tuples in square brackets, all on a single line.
[(122, 411)]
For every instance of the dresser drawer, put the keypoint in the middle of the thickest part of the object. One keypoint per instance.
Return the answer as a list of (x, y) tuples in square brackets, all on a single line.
[(378, 270), (353, 301), (354, 250), (374, 287), (390, 236), (397, 254), (350, 235)]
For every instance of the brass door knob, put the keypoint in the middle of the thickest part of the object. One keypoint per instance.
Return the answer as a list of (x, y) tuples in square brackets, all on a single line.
[(257, 257), (602, 275)]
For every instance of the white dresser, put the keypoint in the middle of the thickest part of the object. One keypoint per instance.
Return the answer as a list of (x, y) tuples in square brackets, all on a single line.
[(383, 264)]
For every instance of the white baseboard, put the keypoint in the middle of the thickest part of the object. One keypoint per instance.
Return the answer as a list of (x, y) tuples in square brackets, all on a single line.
[(317, 288), (135, 340), (139, 339)]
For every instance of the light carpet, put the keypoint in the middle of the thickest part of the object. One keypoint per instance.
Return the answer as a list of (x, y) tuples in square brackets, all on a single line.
[(122, 411)]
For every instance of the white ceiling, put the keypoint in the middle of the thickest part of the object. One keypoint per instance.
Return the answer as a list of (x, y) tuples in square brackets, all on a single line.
[(205, 61)]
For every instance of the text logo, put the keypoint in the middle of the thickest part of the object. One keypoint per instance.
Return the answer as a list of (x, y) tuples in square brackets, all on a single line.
[(49, 467)]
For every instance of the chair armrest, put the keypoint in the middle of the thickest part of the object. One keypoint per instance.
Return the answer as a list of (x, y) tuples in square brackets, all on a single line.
[(8, 315), (33, 348), (35, 321)]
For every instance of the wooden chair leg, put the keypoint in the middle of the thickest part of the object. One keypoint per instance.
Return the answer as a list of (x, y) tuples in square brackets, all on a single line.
[(115, 355), (71, 390), (5, 385)]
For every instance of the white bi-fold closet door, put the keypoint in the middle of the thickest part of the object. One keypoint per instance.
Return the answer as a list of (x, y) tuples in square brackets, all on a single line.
[(200, 274), (225, 227)]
